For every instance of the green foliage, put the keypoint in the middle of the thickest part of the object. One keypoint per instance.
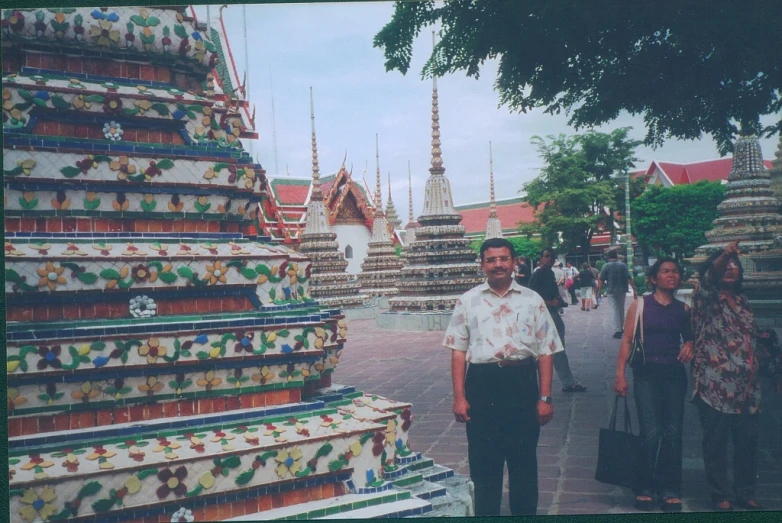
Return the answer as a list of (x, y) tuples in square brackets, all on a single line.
[(673, 221), (576, 184), (640, 283), (523, 246), (688, 67)]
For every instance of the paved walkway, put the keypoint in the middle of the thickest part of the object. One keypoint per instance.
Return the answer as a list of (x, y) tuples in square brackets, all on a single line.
[(414, 367)]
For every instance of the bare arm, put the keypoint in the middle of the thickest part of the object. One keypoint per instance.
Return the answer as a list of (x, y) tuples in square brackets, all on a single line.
[(620, 383), (685, 353), (717, 269), (460, 406), (545, 410)]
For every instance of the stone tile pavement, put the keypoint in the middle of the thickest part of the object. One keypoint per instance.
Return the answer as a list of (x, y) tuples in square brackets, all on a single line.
[(414, 367)]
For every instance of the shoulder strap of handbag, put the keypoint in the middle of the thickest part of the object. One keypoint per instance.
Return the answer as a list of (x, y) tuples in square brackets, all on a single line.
[(628, 423), (639, 318)]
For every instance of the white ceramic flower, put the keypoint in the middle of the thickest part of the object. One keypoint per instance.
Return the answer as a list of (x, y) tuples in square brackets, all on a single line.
[(113, 131), (182, 515), (142, 307)]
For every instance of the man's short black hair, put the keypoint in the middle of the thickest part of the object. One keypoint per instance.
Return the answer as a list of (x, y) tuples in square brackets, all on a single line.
[(612, 255), (497, 243), (545, 250)]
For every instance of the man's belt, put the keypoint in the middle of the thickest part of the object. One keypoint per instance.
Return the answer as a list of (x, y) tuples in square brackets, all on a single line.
[(526, 362)]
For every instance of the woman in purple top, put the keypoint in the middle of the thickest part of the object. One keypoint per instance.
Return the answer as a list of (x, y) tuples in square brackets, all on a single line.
[(659, 385)]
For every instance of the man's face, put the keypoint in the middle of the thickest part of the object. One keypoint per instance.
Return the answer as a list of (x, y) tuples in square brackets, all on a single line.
[(547, 260), (497, 265)]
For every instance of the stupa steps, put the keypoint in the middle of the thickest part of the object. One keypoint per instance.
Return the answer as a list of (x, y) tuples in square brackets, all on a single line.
[(440, 221), (348, 506), (413, 486), (297, 440), (124, 266)]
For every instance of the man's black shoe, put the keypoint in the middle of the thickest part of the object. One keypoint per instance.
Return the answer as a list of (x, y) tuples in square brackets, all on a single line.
[(618, 335)]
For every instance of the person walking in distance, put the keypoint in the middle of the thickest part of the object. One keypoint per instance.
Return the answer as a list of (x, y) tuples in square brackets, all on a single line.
[(596, 277), (571, 273), (585, 281), (505, 336), (522, 272), (559, 275), (544, 283), (615, 277)]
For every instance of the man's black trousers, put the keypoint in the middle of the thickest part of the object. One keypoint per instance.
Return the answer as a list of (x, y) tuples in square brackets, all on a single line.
[(503, 427)]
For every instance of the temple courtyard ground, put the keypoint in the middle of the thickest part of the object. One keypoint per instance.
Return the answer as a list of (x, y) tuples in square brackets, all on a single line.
[(415, 367)]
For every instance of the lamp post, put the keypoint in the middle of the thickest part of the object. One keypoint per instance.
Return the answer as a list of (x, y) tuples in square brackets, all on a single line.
[(627, 221)]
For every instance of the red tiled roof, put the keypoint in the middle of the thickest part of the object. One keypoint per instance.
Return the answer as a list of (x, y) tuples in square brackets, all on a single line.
[(684, 173), (510, 213), (290, 192)]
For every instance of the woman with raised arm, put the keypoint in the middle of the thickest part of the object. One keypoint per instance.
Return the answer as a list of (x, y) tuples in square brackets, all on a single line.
[(726, 387), (659, 385)]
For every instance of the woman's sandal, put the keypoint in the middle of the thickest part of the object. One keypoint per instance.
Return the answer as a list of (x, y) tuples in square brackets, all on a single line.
[(574, 388), (671, 505), (644, 503), (749, 504), (723, 506)]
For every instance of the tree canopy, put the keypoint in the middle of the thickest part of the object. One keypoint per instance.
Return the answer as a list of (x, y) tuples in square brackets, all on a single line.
[(524, 247), (689, 67), (674, 220), (576, 185)]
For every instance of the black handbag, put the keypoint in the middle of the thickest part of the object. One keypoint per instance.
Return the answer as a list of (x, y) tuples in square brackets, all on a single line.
[(618, 452), (637, 356)]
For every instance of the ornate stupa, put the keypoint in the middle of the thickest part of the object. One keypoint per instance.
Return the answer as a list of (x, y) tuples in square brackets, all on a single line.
[(164, 362), (776, 171), (493, 226), (329, 283), (750, 212), (380, 270), (394, 222), (411, 224), (440, 264)]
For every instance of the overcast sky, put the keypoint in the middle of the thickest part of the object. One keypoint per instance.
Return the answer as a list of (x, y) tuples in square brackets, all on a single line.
[(329, 47)]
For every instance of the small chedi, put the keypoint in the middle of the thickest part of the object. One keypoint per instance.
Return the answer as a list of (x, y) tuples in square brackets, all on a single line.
[(440, 265), (750, 212), (380, 270), (394, 221), (329, 283), (411, 224), (493, 225), (163, 363)]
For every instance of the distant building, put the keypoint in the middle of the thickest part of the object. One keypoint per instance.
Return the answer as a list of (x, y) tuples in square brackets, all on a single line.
[(669, 174), (350, 213), (511, 212)]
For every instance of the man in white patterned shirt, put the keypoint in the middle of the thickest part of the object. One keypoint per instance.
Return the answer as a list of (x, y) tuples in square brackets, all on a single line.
[(502, 330)]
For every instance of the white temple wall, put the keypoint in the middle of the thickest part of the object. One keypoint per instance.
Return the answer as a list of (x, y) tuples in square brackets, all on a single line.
[(357, 236)]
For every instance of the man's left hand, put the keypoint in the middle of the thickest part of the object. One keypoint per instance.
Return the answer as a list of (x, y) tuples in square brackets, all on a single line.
[(545, 412)]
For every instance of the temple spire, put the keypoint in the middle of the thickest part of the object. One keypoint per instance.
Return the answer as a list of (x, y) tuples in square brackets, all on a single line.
[(393, 219), (378, 194), (437, 159), (317, 222), (493, 226), (316, 193), (493, 205), (410, 218)]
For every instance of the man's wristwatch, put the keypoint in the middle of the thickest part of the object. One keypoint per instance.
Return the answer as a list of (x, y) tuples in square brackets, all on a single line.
[(545, 399)]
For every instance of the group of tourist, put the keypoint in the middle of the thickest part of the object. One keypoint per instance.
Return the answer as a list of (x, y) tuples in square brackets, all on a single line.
[(504, 350), (717, 337)]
